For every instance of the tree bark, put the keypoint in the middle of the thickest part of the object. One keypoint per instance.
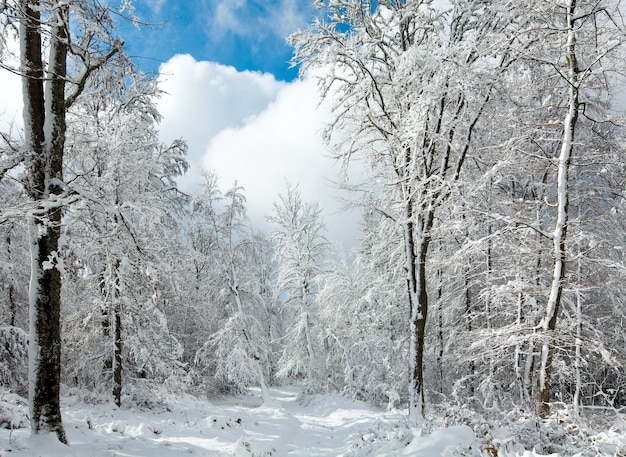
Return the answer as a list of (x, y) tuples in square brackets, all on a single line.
[(548, 324), (44, 126), (417, 240), (440, 337), (13, 306), (117, 365)]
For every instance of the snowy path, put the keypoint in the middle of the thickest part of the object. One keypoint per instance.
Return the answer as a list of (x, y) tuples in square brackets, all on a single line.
[(315, 429), (285, 426)]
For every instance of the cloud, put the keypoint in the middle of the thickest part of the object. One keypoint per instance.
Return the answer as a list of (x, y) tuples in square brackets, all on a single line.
[(245, 126), (280, 143), (227, 16), (156, 5), (203, 98), (249, 128), (284, 143), (258, 18), (11, 110), (289, 16)]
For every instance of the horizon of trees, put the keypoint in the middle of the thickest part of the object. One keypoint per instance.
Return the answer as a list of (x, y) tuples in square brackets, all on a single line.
[(490, 269)]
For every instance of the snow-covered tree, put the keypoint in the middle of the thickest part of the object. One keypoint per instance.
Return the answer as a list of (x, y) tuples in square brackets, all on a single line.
[(120, 227), (235, 351), (300, 247), (14, 271), (61, 45), (527, 192), (411, 82), (361, 307), (13, 292), (577, 57)]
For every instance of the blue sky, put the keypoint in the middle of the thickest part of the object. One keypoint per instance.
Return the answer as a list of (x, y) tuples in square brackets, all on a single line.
[(246, 34)]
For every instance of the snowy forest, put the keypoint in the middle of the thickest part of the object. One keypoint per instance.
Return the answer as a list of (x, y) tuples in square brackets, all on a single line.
[(488, 285)]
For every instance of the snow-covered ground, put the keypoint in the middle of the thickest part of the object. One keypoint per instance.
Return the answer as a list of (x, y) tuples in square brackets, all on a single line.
[(287, 425)]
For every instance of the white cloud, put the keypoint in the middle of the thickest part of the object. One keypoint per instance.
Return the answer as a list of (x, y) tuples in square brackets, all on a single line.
[(11, 110), (287, 16), (282, 142), (203, 98), (249, 128), (226, 17), (258, 18), (156, 5), (245, 126)]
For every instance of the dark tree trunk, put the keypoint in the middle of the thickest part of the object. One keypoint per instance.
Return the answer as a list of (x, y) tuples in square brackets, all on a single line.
[(420, 325), (12, 301), (44, 164), (117, 366), (440, 336), (417, 241)]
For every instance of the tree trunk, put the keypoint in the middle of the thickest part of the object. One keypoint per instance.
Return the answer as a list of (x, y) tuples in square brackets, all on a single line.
[(417, 240), (411, 264), (440, 336), (116, 308), (548, 324), (12, 301), (469, 317), (578, 360), (117, 358), (44, 163)]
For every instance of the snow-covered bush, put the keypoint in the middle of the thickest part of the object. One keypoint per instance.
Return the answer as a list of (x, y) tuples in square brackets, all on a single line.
[(13, 411), (236, 355), (14, 359)]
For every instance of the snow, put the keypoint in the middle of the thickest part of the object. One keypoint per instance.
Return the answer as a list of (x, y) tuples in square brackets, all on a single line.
[(288, 424), (183, 425)]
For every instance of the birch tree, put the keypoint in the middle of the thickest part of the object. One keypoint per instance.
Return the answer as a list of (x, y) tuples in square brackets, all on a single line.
[(537, 185), (573, 43), (559, 236)]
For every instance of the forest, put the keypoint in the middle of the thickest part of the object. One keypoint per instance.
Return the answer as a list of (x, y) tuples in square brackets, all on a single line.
[(488, 283)]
